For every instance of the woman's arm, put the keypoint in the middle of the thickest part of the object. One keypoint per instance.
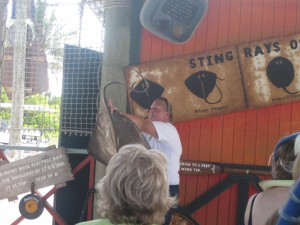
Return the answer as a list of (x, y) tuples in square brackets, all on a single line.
[(144, 125)]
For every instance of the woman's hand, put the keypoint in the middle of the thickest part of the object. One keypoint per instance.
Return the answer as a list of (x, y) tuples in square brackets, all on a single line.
[(111, 107)]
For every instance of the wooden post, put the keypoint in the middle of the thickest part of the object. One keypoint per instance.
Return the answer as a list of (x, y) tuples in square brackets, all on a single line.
[(117, 26)]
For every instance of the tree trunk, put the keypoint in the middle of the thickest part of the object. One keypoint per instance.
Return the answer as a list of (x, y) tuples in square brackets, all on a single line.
[(3, 13), (19, 60)]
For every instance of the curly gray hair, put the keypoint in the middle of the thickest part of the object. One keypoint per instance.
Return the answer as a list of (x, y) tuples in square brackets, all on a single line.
[(135, 188)]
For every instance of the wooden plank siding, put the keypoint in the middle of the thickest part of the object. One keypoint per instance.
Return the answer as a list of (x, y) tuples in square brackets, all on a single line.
[(245, 137)]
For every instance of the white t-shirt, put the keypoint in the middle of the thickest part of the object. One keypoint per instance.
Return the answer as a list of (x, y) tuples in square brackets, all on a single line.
[(169, 143)]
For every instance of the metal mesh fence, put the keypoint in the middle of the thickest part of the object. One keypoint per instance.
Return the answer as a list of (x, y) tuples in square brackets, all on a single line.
[(80, 90), (49, 69)]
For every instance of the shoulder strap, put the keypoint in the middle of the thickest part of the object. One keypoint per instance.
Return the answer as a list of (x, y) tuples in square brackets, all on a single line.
[(250, 214)]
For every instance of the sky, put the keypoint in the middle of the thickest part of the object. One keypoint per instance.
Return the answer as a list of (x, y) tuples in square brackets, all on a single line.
[(68, 13), (91, 34)]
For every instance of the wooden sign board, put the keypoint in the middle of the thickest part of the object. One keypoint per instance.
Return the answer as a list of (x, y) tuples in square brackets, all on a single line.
[(201, 168), (271, 71), (195, 167), (197, 86), (45, 169)]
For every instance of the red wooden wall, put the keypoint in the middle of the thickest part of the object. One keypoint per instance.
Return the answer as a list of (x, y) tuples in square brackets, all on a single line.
[(245, 137)]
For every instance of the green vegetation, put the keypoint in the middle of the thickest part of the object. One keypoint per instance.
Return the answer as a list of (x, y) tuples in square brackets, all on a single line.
[(4, 112), (41, 112)]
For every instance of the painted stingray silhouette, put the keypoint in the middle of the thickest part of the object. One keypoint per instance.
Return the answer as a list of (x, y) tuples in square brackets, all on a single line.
[(281, 73), (145, 99), (202, 84)]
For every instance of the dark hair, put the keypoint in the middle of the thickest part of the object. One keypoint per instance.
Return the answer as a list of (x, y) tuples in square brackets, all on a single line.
[(283, 160), (168, 107), (283, 140)]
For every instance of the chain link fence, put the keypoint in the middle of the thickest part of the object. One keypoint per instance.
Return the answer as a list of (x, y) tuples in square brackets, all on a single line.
[(50, 69)]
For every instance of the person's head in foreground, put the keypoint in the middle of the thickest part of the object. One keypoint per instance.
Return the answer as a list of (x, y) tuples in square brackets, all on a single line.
[(135, 188), (296, 167), (283, 158)]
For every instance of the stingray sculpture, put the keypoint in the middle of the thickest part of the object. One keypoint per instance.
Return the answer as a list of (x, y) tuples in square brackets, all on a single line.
[(113, 130)]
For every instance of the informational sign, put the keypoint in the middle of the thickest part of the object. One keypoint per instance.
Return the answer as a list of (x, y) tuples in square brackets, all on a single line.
[(195, 167), (257, 75), (45, 169), (197, 85), (201, 168), (271, 71)]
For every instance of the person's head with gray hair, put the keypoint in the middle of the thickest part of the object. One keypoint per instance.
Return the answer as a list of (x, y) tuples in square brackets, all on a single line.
[(135, 187)]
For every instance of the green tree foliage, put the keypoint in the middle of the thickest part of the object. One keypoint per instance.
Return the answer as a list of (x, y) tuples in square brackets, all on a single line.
[(4, 112), (46, 114), (42, 112)]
